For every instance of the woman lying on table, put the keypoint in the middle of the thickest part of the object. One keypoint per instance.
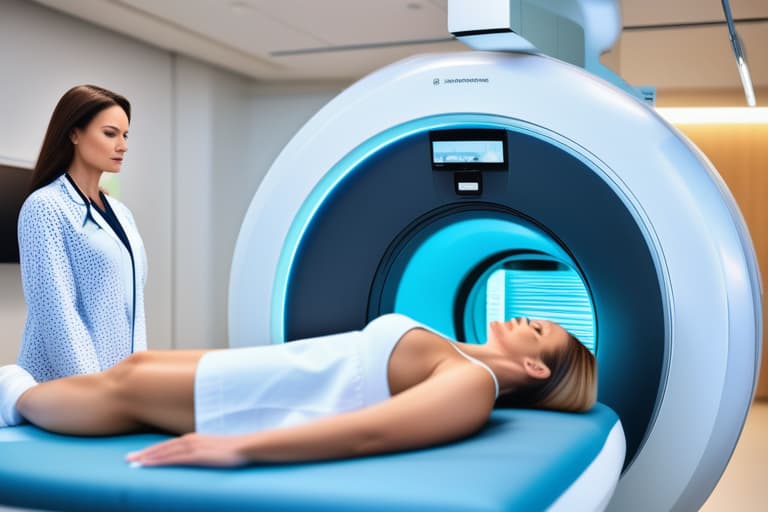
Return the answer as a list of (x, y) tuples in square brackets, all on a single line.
[(396, 385)]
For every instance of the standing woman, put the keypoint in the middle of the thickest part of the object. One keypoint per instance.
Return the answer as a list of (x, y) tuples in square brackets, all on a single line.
[(83, 265)]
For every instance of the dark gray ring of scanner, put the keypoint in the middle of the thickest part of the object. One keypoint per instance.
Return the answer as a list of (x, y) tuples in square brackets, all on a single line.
[(360, 224)]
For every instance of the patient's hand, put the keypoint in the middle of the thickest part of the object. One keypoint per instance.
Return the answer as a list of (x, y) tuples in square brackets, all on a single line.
[(192, 450)]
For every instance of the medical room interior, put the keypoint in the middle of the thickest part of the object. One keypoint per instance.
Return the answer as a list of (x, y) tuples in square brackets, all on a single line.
[(297, 168)]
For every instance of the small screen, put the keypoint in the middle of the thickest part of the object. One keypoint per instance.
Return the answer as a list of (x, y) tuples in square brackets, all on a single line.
[(469, 149)]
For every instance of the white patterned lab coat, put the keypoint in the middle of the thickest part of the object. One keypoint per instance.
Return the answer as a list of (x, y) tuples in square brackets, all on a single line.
[(85, 297)]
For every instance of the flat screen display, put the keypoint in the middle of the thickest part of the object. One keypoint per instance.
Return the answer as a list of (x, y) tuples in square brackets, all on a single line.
[(14, 185), (466, 151), (470, 149)]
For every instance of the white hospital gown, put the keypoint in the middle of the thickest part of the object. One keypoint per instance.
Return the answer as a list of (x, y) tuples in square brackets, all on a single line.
[(85, 301)]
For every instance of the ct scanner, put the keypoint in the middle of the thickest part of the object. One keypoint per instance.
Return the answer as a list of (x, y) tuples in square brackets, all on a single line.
[(457, 188), (361, 215)]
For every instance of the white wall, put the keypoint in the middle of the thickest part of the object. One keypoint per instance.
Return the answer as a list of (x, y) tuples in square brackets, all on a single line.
[(229, 130), (201, 140)]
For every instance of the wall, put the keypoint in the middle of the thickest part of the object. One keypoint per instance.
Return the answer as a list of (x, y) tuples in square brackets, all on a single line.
[(201, 140), (229, 130)]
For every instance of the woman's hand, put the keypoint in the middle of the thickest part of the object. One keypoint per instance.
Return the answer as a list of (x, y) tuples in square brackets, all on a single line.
[(192, 450)]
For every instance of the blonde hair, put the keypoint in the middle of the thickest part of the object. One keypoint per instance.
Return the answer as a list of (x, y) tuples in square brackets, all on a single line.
[(571, 386)]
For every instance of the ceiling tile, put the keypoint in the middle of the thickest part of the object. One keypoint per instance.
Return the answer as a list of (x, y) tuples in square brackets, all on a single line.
[(692, 58), (355, 22), (657, 12), (354, 64), (246, 25)]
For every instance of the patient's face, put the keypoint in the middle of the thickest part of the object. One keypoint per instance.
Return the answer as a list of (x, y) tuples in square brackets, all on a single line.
[(529, 337)]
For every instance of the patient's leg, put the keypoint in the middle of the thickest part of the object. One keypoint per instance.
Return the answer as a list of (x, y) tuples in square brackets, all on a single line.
[(148, 389)]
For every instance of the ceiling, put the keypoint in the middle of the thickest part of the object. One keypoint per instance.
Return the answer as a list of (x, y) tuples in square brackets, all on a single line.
[(342, 40)]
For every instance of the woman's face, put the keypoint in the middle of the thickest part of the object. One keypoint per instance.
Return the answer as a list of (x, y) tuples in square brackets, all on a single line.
[(529, 337), (102, 144)]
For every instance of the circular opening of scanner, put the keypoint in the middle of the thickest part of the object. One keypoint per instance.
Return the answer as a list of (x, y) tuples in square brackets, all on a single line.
[(461, 270)]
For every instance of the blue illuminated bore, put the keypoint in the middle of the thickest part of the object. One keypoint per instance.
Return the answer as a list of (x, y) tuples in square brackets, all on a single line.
[(511, 287), (346, 166)]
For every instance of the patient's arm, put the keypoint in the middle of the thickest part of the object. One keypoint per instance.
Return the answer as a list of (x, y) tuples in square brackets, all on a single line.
[(449, 405)]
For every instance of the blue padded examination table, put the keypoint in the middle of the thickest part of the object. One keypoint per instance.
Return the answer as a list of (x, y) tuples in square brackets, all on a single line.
[(522, 460)]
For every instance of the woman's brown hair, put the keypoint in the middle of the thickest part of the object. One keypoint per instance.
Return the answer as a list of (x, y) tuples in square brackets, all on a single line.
[(75, 109), (571, 386)]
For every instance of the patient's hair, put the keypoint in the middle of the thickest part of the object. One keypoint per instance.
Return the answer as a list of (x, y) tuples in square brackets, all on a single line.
[(571, 386)]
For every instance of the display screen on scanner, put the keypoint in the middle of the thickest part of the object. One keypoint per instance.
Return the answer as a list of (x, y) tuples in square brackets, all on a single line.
[(467, 151)]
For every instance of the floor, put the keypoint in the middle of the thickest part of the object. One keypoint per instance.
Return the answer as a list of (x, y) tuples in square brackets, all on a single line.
[(744, 485)]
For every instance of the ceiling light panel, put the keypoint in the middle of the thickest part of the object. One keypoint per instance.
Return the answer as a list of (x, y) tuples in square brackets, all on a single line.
[(692, 57)]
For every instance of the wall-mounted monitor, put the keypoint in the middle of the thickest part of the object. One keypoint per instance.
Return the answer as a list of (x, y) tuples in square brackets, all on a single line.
[(14, 186), (470, 149)]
